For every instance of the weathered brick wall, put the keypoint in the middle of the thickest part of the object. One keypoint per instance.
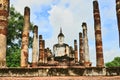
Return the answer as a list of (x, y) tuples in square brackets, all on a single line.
[(59, 71)]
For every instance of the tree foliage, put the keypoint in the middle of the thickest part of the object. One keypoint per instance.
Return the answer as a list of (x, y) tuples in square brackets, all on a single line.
[(13, 58), (114, 63), (14, 37)]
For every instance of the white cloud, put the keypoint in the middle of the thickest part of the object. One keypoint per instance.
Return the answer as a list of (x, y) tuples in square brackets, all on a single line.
[(71, 18), (60, 17), (20, 4), (109, 55)]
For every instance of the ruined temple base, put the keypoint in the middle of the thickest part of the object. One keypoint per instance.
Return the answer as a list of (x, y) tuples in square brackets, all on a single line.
[(64, 78), (59, 71)]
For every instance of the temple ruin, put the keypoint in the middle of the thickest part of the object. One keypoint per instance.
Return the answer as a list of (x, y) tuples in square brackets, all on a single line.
[(64, 60)]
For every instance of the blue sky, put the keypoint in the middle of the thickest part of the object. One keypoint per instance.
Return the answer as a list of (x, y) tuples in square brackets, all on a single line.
[(50, 15)]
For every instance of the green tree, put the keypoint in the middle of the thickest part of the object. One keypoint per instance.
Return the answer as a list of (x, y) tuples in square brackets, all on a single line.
[(14, 37), (114, 63)]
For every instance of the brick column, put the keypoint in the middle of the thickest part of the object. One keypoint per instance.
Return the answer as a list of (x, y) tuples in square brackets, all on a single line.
[(71, 55), (45, 56), (35, 47), (4, 13), (85, 45), (76, 51), (25, 38), (81, 50), (41, 49), (118, 16), (98, 36)]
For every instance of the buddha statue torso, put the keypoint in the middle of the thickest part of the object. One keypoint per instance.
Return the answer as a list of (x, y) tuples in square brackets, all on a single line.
[(61, 50)]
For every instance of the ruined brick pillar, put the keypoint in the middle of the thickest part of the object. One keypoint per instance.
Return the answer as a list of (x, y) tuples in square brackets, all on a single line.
[(4, 12), (118, 16), (76, 51), (25, 38), (85, 45), (98, 36), (41, 49), (71, 55), (45, 56), (81, 49), (35, 47)]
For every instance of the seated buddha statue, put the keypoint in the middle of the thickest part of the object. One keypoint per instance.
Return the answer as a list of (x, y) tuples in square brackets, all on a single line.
[(60, 50)]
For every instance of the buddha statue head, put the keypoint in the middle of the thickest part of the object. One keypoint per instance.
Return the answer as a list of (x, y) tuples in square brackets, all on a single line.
[(60, 37)]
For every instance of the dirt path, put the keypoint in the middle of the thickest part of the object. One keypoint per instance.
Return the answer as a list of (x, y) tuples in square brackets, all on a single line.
[(63, 78)]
